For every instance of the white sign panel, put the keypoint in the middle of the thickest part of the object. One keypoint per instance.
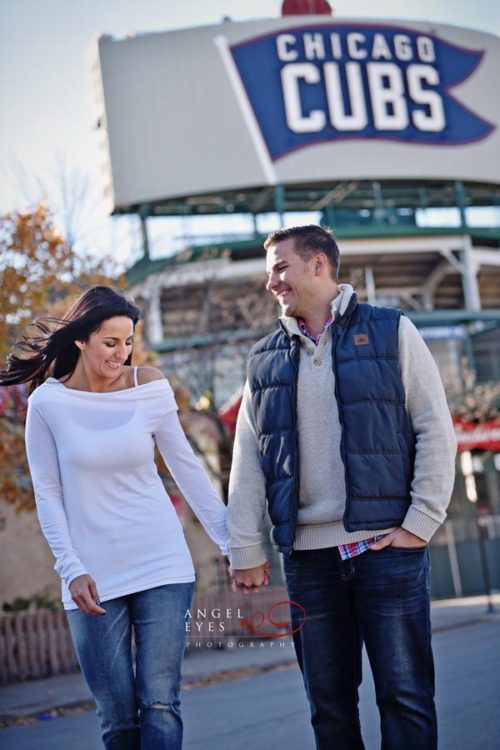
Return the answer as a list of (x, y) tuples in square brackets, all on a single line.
[(297, 100)]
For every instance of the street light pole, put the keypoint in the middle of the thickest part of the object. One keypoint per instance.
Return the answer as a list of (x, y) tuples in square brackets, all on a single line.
[(471, 492), (482, 533)]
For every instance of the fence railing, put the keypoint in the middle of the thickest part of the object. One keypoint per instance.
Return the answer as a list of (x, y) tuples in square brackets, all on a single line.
[(35, 644), (38, 644)]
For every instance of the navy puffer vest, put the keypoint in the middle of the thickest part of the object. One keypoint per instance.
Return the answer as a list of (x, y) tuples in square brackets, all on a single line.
[(378, 443)]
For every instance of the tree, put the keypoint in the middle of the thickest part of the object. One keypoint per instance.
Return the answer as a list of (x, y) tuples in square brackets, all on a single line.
[(15, 487), (38, 269), (69, 191), (39, 275)]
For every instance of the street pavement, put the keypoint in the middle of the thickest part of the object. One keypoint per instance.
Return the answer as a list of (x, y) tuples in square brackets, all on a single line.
[(244, 697)]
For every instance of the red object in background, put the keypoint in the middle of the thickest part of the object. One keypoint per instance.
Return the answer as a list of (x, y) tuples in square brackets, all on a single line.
[(306, 8), (484, 435), (177, 503), (228, 413)]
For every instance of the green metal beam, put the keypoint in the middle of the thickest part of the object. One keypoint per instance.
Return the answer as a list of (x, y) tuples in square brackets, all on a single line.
[(302, 197), (208, 339), (446, 317)]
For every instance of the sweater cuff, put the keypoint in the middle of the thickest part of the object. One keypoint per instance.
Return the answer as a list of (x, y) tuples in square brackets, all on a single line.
[(69, 567), (243, 558), (420, 524)]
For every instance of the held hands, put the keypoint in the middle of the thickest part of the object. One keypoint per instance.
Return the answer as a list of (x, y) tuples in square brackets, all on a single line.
[(399, 538), (84, 593), (250, 580)]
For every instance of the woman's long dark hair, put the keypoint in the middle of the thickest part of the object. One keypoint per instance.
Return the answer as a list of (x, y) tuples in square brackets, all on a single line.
[(47, 346)]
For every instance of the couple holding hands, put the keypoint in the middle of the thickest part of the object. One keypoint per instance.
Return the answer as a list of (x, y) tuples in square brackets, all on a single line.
[(343, 436)]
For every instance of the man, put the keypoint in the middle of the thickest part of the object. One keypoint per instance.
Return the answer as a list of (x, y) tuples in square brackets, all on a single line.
[(345, 430)]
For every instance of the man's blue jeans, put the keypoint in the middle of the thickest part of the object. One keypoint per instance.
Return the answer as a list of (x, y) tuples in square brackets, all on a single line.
[(137, 711), (381, 599)]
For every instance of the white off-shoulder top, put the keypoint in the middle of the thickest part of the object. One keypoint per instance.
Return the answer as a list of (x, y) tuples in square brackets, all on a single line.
[(101, 503)]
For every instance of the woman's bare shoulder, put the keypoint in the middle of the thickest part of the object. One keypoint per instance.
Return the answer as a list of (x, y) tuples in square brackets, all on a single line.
[(148, 374)]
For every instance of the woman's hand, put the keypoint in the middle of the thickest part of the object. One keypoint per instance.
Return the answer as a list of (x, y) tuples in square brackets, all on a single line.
[(84, 593), (251, 579)]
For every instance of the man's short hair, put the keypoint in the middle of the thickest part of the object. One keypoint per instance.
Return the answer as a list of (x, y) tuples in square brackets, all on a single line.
[(309, 240)]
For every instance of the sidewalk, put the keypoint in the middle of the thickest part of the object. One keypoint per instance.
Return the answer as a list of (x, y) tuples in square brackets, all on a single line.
[(210, 664)]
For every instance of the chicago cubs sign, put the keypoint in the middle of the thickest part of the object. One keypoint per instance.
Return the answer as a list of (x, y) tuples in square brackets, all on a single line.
[(330, 82), (295, 100)]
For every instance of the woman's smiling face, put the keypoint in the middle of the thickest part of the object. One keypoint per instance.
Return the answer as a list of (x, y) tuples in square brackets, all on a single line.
[(108, 348)]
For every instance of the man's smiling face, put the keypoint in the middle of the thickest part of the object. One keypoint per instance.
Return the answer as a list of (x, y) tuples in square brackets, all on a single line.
[(291, 279)]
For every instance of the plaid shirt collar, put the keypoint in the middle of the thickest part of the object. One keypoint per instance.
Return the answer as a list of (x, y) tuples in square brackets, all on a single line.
[(303, 329), (338, 306), (345, 292)]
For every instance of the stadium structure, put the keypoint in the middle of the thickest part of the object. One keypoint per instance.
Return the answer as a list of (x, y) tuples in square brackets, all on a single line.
[(385, 130)]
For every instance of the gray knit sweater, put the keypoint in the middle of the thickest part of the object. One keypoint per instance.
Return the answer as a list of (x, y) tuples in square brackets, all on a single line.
[(322, 481)]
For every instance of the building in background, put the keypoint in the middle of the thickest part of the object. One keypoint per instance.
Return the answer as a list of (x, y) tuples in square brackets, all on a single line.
[(386, 131)]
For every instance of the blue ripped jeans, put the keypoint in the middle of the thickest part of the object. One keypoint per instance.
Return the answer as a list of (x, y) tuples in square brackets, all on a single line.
[(381, 599), (138, 709)]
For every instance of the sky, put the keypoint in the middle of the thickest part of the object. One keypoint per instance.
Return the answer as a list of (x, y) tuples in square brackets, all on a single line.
[(47, 112)]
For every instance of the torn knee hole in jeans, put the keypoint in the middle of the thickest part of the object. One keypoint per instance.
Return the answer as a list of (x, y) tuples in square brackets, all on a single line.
[(158, 706)]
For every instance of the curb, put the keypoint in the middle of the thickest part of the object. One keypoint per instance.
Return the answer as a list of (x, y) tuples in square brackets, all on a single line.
[(189, 683)]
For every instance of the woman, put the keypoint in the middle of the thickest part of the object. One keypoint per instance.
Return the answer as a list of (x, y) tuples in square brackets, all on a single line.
[(91, 427)]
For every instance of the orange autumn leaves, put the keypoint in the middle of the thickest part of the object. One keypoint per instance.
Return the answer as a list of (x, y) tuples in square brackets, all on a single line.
[(39, 275)]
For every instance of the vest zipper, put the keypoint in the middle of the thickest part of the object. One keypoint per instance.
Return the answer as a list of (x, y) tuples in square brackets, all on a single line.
[(335, 338), (296, 484)]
